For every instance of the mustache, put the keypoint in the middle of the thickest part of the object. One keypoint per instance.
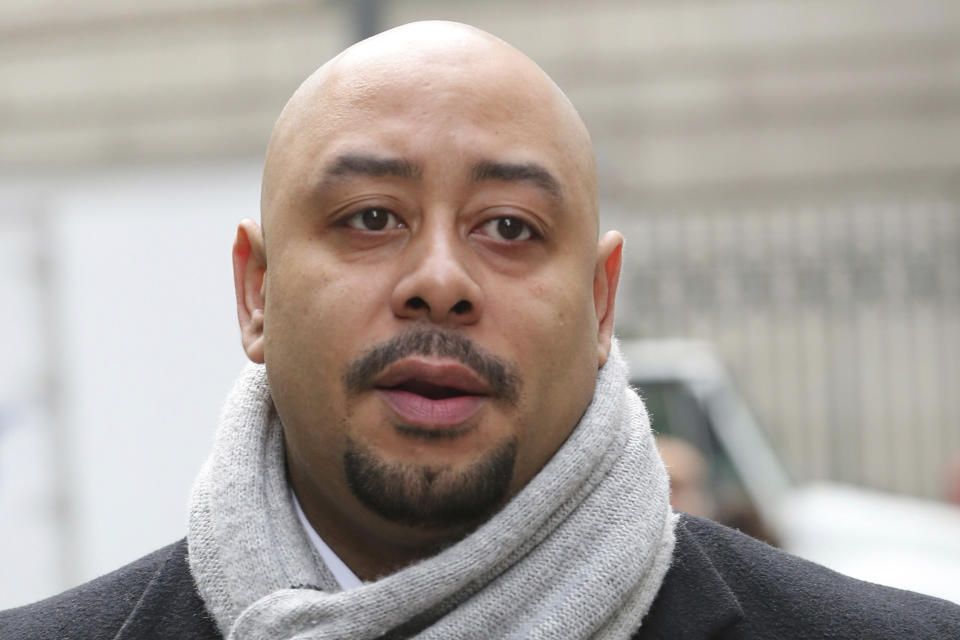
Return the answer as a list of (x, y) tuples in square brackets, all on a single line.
[(500, 375)]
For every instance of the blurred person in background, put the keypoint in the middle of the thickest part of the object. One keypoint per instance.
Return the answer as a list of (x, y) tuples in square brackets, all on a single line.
[(691, 492), (436, 437), (688, 476), (953, 479)]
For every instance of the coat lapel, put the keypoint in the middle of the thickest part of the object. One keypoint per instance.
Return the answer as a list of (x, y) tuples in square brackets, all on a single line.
[(694, 601), (170, 607)]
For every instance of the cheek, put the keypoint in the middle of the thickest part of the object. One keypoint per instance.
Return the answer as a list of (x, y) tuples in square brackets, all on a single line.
[(315, 306), (317, 319), (555, 315), (290, 318), (311, 315), (553, 331)]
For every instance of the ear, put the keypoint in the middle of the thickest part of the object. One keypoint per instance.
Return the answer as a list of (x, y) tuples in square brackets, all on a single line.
[(605, 280), (249, 267)]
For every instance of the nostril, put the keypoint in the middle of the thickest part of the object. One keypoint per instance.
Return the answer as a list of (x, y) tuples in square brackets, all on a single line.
[(462, 307), (418, 303)]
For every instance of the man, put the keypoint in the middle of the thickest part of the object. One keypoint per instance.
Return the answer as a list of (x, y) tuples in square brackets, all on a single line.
[(440, 441)]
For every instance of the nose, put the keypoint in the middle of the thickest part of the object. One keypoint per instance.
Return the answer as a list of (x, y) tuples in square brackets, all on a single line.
[(437, 284)]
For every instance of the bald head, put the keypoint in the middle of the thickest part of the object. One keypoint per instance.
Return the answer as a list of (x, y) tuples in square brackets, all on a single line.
[(433, 72)]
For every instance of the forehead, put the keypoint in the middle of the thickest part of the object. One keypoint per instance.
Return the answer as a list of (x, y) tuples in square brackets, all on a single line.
[(416, 111), (442, 110), (452, 129)]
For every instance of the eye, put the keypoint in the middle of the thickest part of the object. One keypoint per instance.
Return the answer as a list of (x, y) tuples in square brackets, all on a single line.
[(508, 228), (374, 219)]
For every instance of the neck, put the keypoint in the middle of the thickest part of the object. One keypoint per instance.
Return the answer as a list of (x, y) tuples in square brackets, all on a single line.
[(371, 546)]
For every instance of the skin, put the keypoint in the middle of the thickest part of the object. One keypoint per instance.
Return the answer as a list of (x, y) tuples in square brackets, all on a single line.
[(316, 289), (688, 476)]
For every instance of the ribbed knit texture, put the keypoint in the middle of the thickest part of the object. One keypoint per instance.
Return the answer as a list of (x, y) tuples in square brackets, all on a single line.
[(580, 552)]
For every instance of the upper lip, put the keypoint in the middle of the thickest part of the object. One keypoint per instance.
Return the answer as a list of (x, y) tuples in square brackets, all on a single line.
[(447, 374)]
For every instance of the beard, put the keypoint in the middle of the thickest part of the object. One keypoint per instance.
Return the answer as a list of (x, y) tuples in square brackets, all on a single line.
[(421, 495), (430, 497)]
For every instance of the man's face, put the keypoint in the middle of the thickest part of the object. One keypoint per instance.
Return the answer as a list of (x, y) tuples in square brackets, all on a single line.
[(430, 328)]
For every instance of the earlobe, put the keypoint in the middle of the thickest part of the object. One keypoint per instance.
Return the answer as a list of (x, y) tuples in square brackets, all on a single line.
[(249, 269), (605, 281)]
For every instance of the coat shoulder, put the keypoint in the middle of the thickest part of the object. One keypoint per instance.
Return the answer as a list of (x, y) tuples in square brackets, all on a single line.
[(784, 596), (156, 588)]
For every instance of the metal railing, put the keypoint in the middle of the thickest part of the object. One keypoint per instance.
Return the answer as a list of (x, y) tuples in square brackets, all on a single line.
[(841, 323)]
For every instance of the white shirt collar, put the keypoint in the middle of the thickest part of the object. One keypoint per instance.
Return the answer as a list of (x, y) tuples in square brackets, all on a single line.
[(346, 578)]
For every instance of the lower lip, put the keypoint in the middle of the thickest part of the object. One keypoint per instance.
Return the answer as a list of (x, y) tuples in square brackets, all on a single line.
[(422, 411)]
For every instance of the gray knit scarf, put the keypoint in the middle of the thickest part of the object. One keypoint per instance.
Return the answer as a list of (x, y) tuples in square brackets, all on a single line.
[(580, 552)]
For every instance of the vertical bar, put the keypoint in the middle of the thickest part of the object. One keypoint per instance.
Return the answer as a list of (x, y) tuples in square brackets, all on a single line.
[(52, 398), (367, 18)]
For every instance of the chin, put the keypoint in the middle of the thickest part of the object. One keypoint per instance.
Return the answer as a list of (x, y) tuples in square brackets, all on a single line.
[(432, 494)]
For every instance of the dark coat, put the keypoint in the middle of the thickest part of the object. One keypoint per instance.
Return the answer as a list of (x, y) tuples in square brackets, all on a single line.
[(721, 585)]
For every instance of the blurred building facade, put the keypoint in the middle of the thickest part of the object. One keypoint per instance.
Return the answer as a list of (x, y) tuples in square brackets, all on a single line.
[(787, 175)]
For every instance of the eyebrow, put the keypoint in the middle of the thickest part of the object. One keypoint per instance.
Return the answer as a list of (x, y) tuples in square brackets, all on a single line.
[(517, 172), (356, 164), (360, 164)]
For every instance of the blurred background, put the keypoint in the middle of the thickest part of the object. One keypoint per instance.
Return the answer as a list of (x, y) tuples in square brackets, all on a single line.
[(787, 175)]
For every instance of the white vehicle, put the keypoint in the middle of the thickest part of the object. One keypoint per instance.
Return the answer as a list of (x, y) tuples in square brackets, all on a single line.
[(893, 540)]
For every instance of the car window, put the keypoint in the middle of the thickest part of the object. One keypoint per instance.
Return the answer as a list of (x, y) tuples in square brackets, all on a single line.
[(675, 413)]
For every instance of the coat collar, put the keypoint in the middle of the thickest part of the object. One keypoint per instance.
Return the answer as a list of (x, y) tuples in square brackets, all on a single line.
[(170, 607), (694, 601)]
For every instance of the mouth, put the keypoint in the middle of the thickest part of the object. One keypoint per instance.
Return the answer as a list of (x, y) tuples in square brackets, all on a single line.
[(432, 394)]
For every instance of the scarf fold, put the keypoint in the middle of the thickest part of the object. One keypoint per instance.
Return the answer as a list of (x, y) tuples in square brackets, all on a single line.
[(580, 552)]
